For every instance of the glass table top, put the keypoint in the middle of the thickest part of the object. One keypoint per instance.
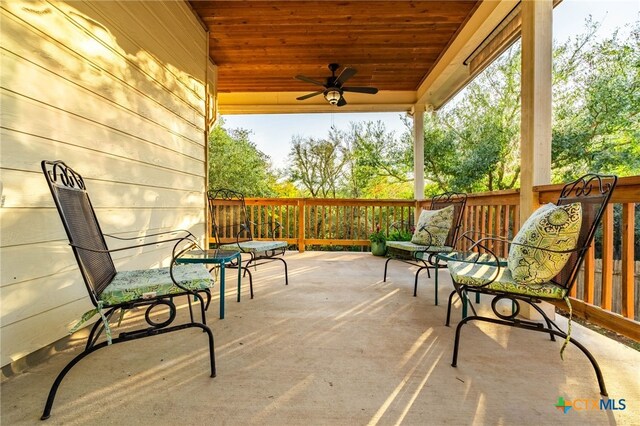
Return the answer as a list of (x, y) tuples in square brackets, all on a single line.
[(207, 256)]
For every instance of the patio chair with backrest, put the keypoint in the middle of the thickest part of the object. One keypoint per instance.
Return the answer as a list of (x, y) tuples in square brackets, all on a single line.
[(543, 263), (436, 231), (232, 230), (112, 291)]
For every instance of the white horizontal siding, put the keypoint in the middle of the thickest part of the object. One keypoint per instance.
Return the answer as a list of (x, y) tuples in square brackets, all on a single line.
[(116, 90)]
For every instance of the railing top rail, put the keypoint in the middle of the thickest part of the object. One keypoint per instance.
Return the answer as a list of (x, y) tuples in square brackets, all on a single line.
[(331, 201), (627, 191)]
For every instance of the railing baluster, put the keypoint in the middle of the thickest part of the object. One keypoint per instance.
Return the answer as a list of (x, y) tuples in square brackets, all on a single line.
[(490, 229), (476, 222), (301, 215), (628, 231), (589, 274), (607, 258), (499, 227), (507, 227)]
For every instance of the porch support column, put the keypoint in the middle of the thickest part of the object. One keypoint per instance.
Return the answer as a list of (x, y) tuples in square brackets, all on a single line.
[(535, 130), (418, 152)]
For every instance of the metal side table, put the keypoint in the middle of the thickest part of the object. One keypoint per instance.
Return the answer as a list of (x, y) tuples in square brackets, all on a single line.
[(217, 257)]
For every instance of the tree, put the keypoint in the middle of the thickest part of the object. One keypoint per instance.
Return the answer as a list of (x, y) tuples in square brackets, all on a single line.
[(597, 101), (236, 163), (317, 164), (366, 161), (472, 144), (379, 164)]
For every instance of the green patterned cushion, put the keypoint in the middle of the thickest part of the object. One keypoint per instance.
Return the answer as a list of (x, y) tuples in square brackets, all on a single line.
[(127, 286), (475, 275), (550, 227), (255, 246), (437, 223), (409, 246)]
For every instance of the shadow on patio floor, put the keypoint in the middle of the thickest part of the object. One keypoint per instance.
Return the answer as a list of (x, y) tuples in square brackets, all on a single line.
[(337, 346)]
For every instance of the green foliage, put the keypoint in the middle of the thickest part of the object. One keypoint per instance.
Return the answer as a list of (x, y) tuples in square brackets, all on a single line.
[(378, 236), (597, 100), (365, 162), (317, 165), (472, 144), (378, 161), (400, 235), (236, 163)]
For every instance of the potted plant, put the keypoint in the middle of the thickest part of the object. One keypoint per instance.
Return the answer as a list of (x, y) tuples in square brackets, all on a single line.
[(378, 242)]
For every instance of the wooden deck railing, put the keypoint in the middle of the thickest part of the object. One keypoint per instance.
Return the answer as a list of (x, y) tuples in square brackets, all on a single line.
[(327, 221), (347, 223)]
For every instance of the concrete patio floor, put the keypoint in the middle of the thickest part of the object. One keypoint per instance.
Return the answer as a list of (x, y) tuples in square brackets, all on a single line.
[(337, 346)]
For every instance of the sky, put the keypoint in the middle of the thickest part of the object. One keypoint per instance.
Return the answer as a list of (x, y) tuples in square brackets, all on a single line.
[(272, 133)]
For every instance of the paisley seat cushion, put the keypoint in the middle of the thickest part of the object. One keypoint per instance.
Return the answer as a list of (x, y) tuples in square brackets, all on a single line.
[(255, 246), (128, 286), (478, 274)]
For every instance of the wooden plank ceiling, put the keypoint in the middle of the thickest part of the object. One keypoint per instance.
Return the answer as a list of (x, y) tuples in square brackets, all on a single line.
[(259, 46)]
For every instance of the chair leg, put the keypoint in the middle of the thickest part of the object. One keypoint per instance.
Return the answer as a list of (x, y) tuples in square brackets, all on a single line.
[(246, 266), (436, 283), (467, 303), (247, 271), (415, 284), (385, 269), (449, 307), (123, 338), (592, 360), (190, 307), (54, 388), (286, 271), (456, 342)]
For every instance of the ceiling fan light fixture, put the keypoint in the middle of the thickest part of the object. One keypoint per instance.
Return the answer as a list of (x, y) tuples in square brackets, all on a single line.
[(332, 95)]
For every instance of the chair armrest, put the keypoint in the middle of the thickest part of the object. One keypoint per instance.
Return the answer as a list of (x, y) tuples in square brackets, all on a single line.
[(176, 231), (398, 225), (189, 237), (467, 236)]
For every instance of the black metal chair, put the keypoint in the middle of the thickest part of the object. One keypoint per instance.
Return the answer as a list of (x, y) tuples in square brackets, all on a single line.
[(423, 256), (232, 230), (480, 271), (111, 291)]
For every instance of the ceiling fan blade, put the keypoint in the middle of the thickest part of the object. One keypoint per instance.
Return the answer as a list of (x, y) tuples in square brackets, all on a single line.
[(309, 80), (345, 75), (369, 90), (309, 95), (342, 101)]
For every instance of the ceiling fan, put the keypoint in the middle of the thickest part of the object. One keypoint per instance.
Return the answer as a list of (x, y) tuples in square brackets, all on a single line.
[(334, 86)]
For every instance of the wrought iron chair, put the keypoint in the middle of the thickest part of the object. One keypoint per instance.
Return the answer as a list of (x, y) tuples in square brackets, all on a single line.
[(232, 230), (480, 271), (423, 256), (111, 291)]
